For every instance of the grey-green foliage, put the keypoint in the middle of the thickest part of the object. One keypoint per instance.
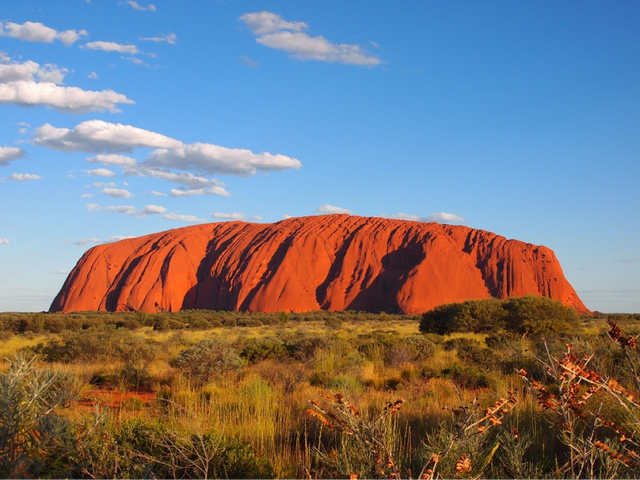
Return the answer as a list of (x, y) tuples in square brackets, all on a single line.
[(207, 359), (35, 439), (533, 314)]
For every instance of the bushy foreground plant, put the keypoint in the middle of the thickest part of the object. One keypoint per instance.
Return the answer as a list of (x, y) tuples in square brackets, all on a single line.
[(370, 445), (36, 439)]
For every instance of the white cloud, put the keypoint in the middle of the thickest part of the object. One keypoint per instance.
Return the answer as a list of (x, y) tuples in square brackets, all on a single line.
[(86, 195), (443, 217), (24, 127), (209, 158), (190, 192), (37, 32), (157, 194), (83, 241), (117, 192), (127, 209), (186, 179), (183, 218), (100, 172), (100, 136), (93, 76), (30, 84), (228, 216), (114, 238), (407, 216), (153, 210), (326, 208), (101, 185), (113, 159), (275, 32), (136, 6), (166, 38), (111, 47), (8, 154), (4, 241), (262, 23), (22, 177)]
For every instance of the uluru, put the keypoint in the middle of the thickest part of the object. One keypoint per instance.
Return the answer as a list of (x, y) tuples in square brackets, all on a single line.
[(323, 262)]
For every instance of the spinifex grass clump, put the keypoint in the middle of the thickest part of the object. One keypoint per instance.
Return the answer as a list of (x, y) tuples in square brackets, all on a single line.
[(371, 446), (596, 418)]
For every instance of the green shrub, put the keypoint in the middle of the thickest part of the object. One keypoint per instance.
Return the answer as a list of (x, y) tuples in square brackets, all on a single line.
[(539, 315), (207, 359), (256, 349), (533, 314)]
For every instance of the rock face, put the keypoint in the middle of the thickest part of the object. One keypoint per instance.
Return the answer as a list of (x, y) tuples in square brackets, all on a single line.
[(330, 262)]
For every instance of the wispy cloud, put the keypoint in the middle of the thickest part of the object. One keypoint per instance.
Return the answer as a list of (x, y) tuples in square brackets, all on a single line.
[(183, 218), (627, 260), (85, 241), (23, 177), (169, 38), (37, 32), (113, 159), (29, 84), (112, 47), (439, 217), (128, 209), (234, 216), (136, 6), (4, 241), (273, 31), (326, 208), (249, 62)]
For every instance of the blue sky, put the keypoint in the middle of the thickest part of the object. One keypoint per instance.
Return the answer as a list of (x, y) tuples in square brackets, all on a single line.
[(123, 118)]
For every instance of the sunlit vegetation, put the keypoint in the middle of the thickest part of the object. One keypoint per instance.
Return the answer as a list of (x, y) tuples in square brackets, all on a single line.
[(202, 394)]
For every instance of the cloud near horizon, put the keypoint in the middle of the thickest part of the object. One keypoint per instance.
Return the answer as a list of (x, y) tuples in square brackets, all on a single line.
[(439, 217), (30, 84), (442, 217), (183, 218), (274, 32), (234, 216), (38, 32), (128, 209), (326, 208)]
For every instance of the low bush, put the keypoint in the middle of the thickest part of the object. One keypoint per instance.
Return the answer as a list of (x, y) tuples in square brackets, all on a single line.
[(207, 359)]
